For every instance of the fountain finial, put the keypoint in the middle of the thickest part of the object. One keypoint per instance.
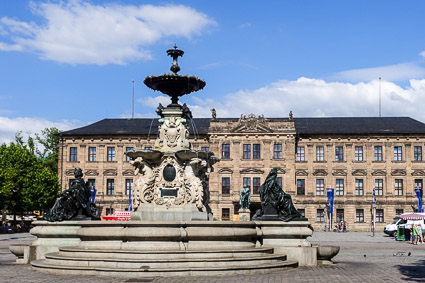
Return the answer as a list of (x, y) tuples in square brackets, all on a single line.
[(175, 53)]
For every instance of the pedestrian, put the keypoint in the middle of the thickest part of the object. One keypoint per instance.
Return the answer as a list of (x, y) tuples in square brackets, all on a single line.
[(420, 234), (415, 234)]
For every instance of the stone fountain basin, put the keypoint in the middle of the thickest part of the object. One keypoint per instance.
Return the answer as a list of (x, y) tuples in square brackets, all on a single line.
[(327, 252), (17, 250), (150, 155)]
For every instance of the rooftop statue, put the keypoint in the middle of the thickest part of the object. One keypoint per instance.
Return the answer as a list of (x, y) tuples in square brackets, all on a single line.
[(74, 201), (276, 204)]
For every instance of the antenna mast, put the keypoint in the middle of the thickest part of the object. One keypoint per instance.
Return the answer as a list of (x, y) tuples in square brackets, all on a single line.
[(132, 102), (379, 96)]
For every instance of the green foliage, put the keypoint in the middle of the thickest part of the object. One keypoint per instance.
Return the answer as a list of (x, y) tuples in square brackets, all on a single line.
[(28, 175)]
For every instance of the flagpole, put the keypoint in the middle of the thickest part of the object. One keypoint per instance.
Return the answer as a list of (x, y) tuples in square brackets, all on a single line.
[(374, 211)]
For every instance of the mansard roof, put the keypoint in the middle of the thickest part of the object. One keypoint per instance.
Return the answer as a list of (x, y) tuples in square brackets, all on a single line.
[(303, 126)]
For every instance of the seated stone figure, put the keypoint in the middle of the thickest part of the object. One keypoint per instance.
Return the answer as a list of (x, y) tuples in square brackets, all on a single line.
[(273, 198), (72, 201)]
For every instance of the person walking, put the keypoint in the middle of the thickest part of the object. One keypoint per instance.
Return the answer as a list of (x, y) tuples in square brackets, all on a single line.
[(421, 241), (415, 234)]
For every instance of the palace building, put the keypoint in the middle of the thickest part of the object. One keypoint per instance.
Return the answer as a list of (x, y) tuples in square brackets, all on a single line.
[(353, 155)]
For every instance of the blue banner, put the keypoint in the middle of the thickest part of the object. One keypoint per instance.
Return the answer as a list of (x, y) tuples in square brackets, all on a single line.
[(374, 196), (129, 199), (419, 193), (330, 193), (93, 195)]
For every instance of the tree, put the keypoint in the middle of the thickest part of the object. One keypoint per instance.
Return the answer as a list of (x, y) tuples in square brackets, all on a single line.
[(49, 141), (28, 181)]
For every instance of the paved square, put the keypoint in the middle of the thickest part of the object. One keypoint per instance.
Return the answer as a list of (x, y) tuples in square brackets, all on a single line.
[(362, 258)]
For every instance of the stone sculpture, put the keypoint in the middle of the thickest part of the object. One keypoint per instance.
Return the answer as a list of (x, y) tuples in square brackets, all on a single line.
[(245, 198), (74, 203), (275, 203)]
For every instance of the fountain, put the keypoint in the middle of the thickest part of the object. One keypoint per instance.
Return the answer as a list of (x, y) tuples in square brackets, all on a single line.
[(172, 178), (170, 232)]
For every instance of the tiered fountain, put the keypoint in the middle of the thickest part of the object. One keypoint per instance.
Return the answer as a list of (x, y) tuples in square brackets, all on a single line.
[(169, 233)]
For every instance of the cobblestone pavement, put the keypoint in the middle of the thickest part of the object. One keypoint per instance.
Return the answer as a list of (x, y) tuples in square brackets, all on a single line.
[(362, 258)]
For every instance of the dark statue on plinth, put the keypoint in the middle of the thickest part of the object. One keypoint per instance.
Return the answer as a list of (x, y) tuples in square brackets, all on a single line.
[(245, 198), (275, 203), (74, 203)]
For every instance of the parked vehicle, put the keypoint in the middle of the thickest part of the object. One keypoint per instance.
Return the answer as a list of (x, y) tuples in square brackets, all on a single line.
[(391, 229)]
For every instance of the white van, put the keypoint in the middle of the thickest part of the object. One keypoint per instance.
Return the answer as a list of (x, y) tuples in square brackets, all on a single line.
[(391, 229)]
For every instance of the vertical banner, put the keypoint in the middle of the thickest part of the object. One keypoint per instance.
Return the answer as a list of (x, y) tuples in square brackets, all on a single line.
[(330, 193), (419, 193), (93, 196), (373, 212), (129, 198), (374, 196)]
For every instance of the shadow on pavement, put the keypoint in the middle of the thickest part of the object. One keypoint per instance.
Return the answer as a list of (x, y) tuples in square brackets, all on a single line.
[(414, 273)]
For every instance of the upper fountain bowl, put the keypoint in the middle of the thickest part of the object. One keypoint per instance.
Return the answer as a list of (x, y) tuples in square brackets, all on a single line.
[(173, 84)]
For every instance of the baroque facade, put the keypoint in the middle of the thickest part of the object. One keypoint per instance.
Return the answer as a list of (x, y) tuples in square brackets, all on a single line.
[(351, 155)]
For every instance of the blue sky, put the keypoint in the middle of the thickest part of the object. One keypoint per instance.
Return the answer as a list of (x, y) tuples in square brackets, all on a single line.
[(70, 63)]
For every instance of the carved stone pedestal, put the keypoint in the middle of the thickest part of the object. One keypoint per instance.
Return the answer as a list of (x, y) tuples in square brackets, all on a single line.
[(151, 212), (244, 214)]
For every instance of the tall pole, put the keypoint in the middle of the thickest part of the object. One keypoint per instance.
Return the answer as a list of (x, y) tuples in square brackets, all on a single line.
[(379, 96), (374, 219), (132, 102)]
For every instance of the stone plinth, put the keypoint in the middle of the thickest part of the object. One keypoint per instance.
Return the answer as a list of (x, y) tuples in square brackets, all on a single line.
[(150, 212), (244, 214)]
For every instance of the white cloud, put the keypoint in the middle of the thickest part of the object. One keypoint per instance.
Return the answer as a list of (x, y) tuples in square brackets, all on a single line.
[(396, 72), (155, 101), (317, 98), (78, 32), (29, 126)]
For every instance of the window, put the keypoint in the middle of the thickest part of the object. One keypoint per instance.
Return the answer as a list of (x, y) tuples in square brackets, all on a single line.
[(358, 153), (279, 181), (225, 151), (418, 184), (399, 211), (128, 186), (128, 148), (398, 153), (205, 148), (225, 186), (109, 211), (359, 215), (225, 214), (379, 187), (92, 184), (110, 184), (320, 153), (339, 153), (247, 183), (320, 215), (339, 187), (339, 215), (256, 154), (256, 183), (111, 154), (302, 212), (398, 184), (320, 187), (300, 187), (148, 148), (417, 153), (300, 153), (379, 216), (72, 154), (92, 154), (246, 151), (277, 151), (359, 187), (378, 153)]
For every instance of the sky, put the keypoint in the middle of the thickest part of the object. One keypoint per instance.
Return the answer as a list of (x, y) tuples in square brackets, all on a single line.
[(71, 63)]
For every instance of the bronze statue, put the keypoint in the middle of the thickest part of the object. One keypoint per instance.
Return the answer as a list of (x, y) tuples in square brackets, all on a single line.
[(245, 198), (73, 201), (276, 204)]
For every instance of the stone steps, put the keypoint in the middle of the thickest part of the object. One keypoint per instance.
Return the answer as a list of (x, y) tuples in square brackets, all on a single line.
[(126, 263)]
